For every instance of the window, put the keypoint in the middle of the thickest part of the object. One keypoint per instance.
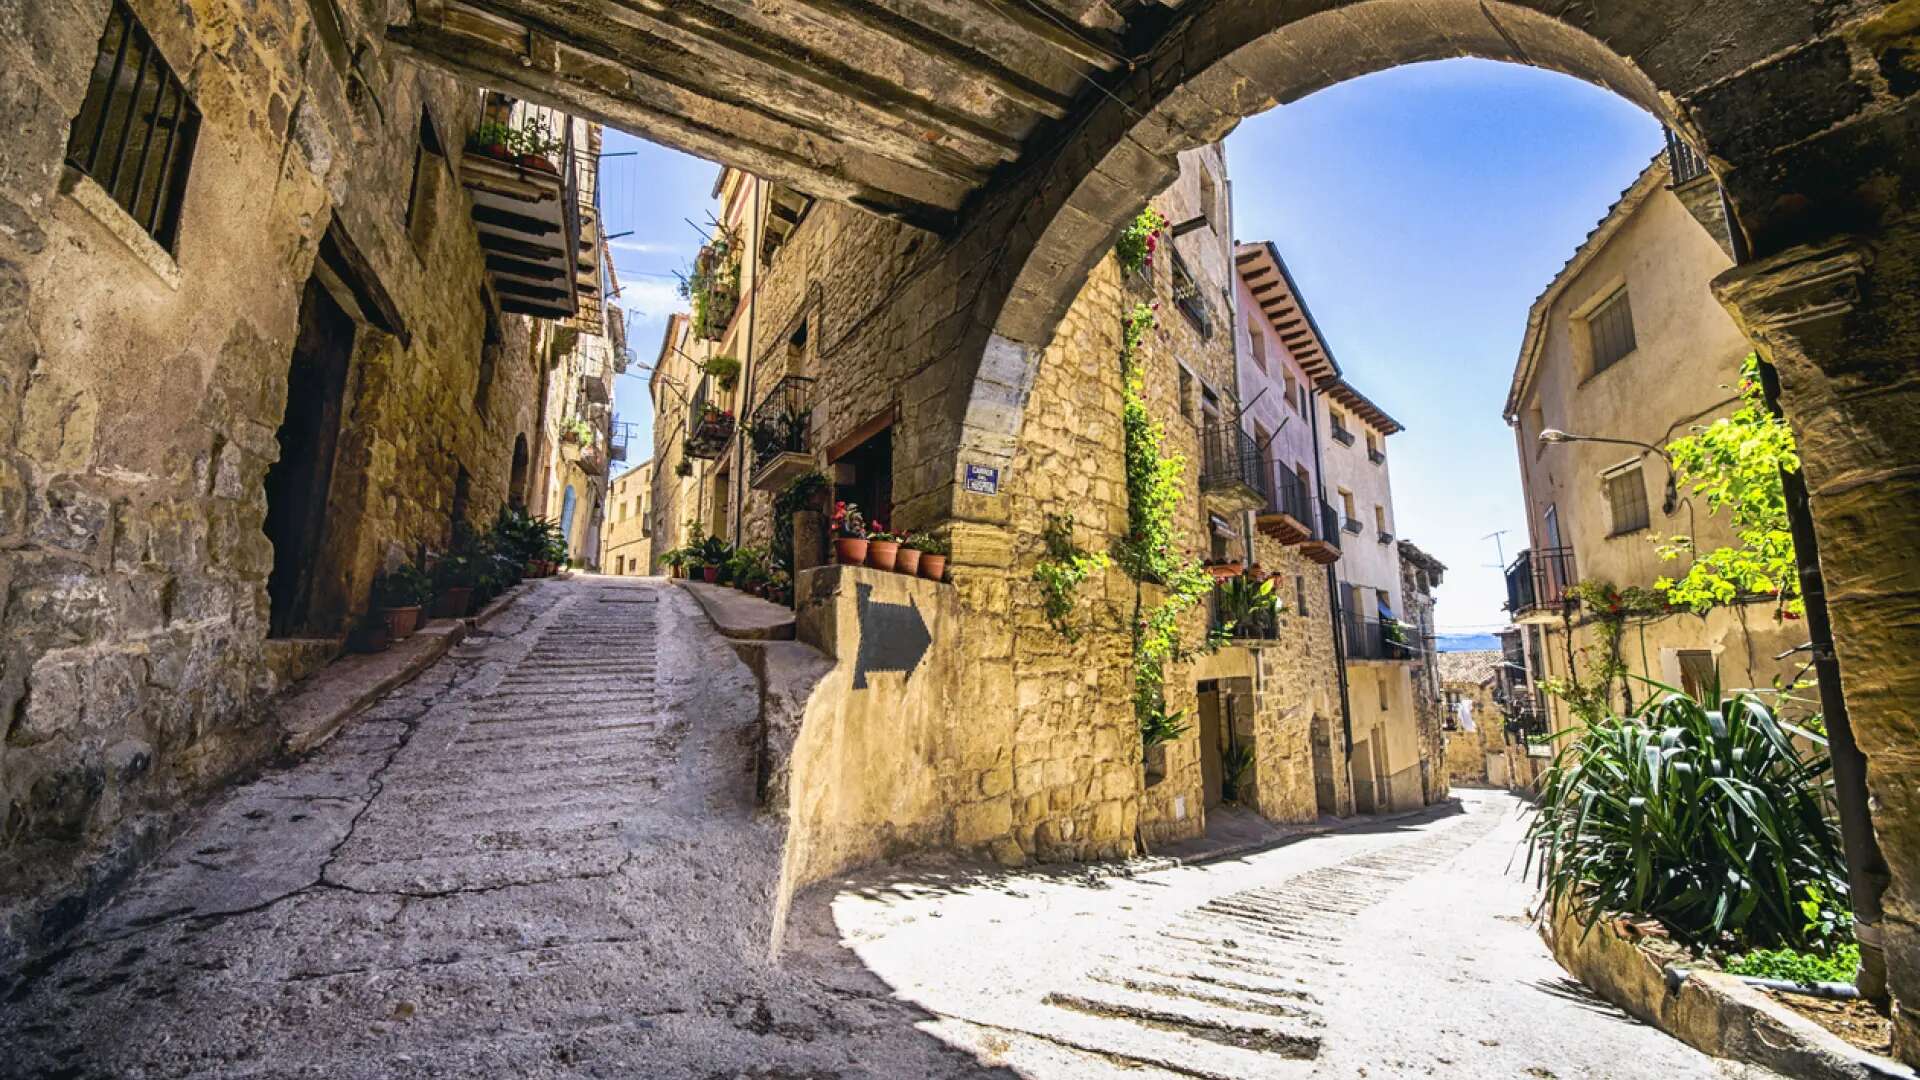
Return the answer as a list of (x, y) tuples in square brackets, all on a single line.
[(1209, 199), (1610, 331), (1293, 385), (135, 131), (1186, 294), (1381, 682), (1627, 496), (1374, 453), (429, 163), (1305, 406), (1698, 674), (1186, 393), (1380, 520), (1258, 345), (1300, 592), (1536, 423), (1341, 432), (1551, 521), (1346, 503)]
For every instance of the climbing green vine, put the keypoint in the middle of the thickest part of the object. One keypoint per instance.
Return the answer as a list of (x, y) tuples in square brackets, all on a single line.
[(1735, 463), (1060, 572), (1609, 607), (1137, 241), (1147, 554)]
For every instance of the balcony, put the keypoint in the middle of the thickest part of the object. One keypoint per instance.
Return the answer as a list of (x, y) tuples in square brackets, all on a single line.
[(709, 427), (1342, 435), (1378, 457), (620, 435), (781, 430), (1233, 475), (1537, 584), (1352, 525), (1324, 548), (1526, 720), (1264, 626), (1377, 639), (1288, 515), (526, 213), (1384, 536)]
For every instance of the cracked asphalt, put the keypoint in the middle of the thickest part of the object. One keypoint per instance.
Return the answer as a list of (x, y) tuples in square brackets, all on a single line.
[(541, 859)]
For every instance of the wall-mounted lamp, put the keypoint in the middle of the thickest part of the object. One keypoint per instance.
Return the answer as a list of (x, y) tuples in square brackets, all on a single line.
[(1672, 497)]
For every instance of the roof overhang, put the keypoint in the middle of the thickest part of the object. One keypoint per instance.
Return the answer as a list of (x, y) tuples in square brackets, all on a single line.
[(1272, 286)]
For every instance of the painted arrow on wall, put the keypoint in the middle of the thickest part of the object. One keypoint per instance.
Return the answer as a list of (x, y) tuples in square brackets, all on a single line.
[(893, 637)]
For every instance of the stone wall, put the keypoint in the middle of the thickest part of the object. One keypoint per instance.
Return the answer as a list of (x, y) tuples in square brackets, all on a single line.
[(1466, 751), (1298, 692), (143, 388)]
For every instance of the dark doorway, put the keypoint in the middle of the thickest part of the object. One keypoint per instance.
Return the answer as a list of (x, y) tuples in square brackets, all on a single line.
[(1325, 795), (517, 480), (864, 476), (297, 484)]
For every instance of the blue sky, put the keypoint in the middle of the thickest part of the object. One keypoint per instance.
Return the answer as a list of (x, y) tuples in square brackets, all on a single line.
[(1421, 210)]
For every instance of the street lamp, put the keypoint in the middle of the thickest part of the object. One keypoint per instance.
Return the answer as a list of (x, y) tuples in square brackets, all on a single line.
[(1672, 498)]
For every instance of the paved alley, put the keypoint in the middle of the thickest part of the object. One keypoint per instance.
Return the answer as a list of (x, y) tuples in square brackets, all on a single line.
[(541, 859)]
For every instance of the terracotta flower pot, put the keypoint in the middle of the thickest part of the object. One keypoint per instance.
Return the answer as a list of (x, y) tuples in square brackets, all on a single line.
[(849, 550), (907, 561), (538, 161), (1223, 571), (881, 554), (933, 567), (372, 637), (453, 602), (401, 621), (710, 574)]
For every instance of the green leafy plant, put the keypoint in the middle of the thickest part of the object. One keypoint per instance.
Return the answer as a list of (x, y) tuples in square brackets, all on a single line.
[(748, 566), (1159, 726), (929, 545), (1138, 240), (713, 284), (1147, 553), (1735, 463), (795, 497), (1248, 605), (725, 371), (1703, 814), (532, 138), (683, 467), (403, 586), (1800, 967), (1061, 571), (1591, 695), (846, 521), (578, 431), (1235, 760)]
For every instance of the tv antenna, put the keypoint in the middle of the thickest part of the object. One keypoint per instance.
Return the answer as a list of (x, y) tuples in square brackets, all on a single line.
[(1499, 549)]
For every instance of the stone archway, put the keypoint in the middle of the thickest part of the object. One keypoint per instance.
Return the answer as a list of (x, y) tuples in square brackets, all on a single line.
[(1807, 118)]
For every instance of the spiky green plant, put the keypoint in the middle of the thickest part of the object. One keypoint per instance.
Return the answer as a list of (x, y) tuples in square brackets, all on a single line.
[(1705, 815)]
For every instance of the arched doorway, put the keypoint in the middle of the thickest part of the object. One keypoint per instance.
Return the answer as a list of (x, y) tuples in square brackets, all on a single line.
[(517, 478)]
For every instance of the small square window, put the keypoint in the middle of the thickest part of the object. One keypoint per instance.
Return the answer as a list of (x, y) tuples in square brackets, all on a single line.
[(1187, 296), (135, 132), (1186, 393), (1698, 673), (1627, 497)]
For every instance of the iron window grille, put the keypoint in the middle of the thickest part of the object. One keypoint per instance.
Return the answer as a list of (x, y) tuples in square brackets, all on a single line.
[(782, 422), (1683, 164), (135, 132), (1627, 499), (1186, 296), (1610, 331)]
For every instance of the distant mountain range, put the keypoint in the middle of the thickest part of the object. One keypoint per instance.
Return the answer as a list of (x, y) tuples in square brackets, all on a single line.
[(1465, 642)]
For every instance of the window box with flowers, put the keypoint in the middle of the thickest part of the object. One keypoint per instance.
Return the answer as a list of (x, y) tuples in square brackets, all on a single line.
[(712, 430)]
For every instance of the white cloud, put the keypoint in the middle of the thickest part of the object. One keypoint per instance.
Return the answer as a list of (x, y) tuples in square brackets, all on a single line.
[(650, 298), (641, 247)]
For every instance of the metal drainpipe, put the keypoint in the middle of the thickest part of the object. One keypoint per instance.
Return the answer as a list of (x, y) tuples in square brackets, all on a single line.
[(1867, 873), (1333, 586), (739, 494)]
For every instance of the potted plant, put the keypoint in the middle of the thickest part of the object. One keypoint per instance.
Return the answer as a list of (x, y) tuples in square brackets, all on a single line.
[(907, 559), (399, 593), (725, 371), (849, 535), (453, 576), (683, 468), (493, 139), (883, 547), (714, 553), (370, 634), (1222, 569), (933, 556)]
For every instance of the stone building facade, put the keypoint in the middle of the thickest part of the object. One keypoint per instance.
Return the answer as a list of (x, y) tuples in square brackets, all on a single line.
[(626, 546), (1420, 574), (1474, 724), (1628, 343), (1051, 764), (251, 353)]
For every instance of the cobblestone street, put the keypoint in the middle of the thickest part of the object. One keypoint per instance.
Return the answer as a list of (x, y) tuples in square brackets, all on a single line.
[(541, 859)]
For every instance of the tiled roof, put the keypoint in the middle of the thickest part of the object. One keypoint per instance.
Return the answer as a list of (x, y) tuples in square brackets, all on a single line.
[(1472, 667)]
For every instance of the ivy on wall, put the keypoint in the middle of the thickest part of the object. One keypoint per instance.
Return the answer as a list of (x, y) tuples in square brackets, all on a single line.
[(1609, 607), (1060, 572), (1147, 553)]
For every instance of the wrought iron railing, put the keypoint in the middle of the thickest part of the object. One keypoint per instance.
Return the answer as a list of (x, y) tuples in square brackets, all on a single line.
[(1376, 456), (1539, 579), (1289, 496), (1377, 639), (1342, 435), (709, 427), (782, 422), (1352, 525), (1230, 457), (1257, 626), (620, 435), (1329, 524)]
